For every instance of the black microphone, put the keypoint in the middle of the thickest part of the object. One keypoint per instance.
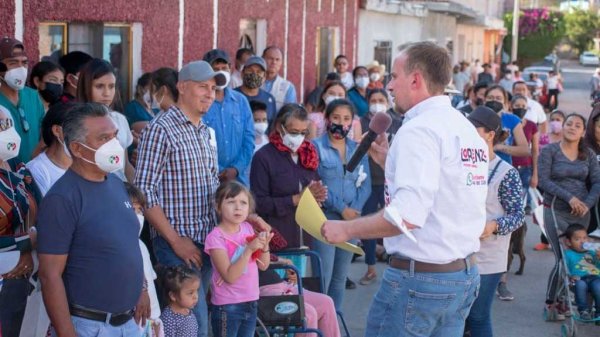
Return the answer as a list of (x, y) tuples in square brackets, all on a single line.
[(378, 125)]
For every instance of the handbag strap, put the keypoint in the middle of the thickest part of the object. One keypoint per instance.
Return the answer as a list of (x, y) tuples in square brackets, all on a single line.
[(494, 171)]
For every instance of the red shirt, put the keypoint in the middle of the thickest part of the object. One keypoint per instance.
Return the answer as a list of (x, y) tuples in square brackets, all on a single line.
[(530, 129)]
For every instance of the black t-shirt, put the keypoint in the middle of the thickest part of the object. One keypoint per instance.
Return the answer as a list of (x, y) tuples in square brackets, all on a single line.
[(95, 225)]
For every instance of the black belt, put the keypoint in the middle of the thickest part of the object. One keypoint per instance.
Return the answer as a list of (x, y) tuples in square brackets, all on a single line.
[(424, 267), (100, 316)]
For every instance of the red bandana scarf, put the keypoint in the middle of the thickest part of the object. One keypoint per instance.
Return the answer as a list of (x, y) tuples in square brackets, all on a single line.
[(307, 154)]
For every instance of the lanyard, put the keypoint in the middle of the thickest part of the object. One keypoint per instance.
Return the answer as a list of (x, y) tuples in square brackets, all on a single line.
[(494, 171)]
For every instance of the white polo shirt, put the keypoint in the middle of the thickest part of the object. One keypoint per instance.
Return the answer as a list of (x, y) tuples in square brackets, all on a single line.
[(436, 178), (535, 112)]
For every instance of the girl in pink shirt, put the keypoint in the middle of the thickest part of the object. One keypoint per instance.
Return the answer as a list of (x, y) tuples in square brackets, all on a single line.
[(236, 253)]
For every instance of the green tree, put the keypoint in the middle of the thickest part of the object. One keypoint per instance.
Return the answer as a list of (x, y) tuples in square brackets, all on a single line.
[(581, 28)]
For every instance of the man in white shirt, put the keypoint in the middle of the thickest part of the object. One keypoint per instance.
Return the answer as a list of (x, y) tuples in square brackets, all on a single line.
[(282, 89), (436, 186), (535, 111)]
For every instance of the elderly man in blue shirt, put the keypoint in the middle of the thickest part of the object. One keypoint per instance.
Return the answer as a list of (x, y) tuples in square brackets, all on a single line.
[(231, 118)]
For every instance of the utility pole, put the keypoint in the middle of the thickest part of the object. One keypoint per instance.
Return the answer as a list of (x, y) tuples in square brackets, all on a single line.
[(515, 31)]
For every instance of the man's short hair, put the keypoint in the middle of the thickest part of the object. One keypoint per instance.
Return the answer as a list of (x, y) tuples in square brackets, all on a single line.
[(519, 82), (432, 61), (73, 125), (241, 52), (479, 86), (257, 106)]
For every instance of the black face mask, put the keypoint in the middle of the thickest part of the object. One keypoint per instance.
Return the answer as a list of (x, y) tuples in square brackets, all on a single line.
[(495, 105), (338, 131), (479, 102), (52, 92), (519, 112)]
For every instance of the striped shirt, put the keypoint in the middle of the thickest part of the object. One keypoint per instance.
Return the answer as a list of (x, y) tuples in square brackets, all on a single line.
[(177, 170)]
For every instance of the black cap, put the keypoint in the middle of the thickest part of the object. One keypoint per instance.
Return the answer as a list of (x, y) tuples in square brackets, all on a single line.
[(485, 117), (214, 55)]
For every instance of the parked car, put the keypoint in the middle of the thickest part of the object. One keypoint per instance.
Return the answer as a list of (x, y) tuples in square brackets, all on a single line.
[(589, 59), (541, 71)]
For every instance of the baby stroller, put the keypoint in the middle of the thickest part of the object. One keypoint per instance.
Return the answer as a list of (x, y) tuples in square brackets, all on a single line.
[(565, 285)]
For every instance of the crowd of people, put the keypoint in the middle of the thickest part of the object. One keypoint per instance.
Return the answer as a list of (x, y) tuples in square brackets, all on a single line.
[(162, 216)]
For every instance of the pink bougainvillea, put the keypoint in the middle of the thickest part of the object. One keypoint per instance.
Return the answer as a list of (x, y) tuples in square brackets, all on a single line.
[(539, 20)]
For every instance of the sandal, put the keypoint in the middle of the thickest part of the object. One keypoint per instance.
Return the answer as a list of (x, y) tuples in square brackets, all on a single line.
[(368, 279)]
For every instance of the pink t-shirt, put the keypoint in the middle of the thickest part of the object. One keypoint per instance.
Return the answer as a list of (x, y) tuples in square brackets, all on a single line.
[(245, 289)]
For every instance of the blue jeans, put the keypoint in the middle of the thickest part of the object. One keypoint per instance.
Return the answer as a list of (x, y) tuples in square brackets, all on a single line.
[(479, 321), (335, 265), (88, 328), (374, 203), (13, 299), (591, 284), (234, 320), (422, 304), (167, 257), (525, 173)]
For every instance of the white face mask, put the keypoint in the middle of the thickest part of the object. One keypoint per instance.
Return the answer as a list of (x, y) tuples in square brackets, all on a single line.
[(147, 98), (331, 98), (375, 77), (141, 221), (261, 128), (10, 143), (293, 142), (362, 82), (64, 145), (109, 157), (377, 107), (16, 78), (227, 78)]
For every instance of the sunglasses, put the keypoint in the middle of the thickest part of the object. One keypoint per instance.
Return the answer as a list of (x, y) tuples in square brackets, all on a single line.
[(24, 122)]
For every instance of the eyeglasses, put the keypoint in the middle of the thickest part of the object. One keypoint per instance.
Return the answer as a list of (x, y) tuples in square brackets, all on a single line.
[(6, 124), (24, 122)]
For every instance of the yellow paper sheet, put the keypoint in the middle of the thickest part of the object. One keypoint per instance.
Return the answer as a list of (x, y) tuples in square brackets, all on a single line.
[(311, 218)]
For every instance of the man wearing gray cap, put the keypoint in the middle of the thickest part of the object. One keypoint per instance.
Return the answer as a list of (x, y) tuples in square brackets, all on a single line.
[(177, 170), (253, 76)]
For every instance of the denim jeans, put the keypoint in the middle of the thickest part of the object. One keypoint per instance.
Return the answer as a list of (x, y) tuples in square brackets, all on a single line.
[(167, 257), (335, 265), (422, 304), (479, 321), (591, 284), (525, 173), (13, 299), (374, 203), (89, 328), (234, 320)]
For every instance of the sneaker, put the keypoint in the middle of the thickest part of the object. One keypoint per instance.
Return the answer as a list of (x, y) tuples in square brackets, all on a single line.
[(552, 314), (585, 315), (541, 246), (350, 284), (503, 293)]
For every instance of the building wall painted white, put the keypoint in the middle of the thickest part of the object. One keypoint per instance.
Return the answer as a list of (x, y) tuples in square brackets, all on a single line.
[(378, 26), (468, 44)]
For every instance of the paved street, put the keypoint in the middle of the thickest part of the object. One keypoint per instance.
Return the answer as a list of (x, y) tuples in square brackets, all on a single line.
[(523, 316)]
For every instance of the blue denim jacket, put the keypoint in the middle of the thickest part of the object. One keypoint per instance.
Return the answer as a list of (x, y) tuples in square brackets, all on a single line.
[(341, 186)]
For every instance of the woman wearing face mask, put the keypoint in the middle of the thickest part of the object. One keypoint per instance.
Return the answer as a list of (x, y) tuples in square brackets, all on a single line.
[(504, 215), (358, 94), (164, 88), (51, 164), (570, 177), (376, 73), (332, 91), (97, 84), (378, 103), (48, 78), (347, 192), (261, 124), (282, 169), (496, 98), (18, 205), (527, 166), (140, 110)]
